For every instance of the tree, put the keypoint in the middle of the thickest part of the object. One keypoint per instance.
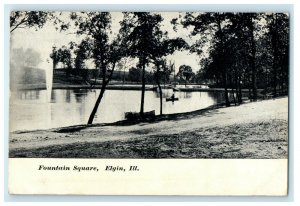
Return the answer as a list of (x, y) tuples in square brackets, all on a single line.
[(163, 47), (28, 19), (217, 25), (250, 18), (278, 25), (62, 55), (256, 48), (186, 73), (105, 52), (245, 27), (160, 68), (65, 57), (82, 53), (245, 50), (149, 44), (142, 28)]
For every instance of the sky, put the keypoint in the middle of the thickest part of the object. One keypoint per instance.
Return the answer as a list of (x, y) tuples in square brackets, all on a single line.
[(45, 38)]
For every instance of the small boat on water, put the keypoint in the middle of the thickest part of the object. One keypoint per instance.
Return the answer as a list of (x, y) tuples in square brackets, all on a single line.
[(172, 98)]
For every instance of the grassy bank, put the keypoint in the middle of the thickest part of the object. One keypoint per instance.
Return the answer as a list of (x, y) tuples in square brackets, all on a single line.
[(253, 130)]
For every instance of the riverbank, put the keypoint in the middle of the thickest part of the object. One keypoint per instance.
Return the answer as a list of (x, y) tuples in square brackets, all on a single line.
[(252, 130)]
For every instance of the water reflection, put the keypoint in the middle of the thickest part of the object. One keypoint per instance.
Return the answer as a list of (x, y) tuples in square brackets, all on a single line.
[(30, 109), (30, 95), (68, 96), (218, 96), (80, 94), (165, 93), (186, 95)]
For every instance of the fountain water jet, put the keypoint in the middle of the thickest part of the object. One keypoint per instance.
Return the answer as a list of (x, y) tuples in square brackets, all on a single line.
[(49, 82)]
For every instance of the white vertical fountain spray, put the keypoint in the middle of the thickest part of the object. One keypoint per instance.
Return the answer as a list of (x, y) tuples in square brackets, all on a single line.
[(49, 81)]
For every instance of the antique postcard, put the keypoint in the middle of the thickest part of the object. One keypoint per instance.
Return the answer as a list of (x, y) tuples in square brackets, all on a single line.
[(149, 103)]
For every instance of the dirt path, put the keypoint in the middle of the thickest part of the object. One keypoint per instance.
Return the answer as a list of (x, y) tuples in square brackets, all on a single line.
[(255, 128)]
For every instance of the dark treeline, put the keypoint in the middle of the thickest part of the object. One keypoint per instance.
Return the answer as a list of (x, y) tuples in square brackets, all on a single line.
[(246, 50), (237, 50)]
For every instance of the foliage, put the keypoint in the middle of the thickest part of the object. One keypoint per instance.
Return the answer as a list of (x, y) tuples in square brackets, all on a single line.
[(149, 44), (278, 35), (62, 55), (212, 28), (143, 31), (186, 73), (105, 52), (28, 19), (82, 53)]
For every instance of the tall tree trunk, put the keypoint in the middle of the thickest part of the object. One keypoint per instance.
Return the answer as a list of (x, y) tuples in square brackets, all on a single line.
[(240, 89), (160, 96), (103, 88), (236, 81), (249, 85), (275, 56), (234, 99), (160, 91), (223, 68), (92, 115), (282, 82), (253, 79), (159, 87), (275, 74), (143, 92), (226, 88), (124, 76), (252, 60), (236, 89), (232, 91)]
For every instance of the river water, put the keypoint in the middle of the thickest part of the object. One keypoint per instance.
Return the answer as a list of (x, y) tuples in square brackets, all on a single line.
[(31, 109)]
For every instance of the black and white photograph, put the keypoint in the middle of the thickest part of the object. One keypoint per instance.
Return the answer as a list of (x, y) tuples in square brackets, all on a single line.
[(148, 103), (149, 85)]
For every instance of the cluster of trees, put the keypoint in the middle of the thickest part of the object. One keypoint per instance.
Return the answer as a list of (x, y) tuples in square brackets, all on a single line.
[(61, 55), (185, 73), (139, 37), (245, 50)]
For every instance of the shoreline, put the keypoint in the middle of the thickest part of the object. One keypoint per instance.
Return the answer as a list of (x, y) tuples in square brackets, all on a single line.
[(157, 118), (222, 132), (149, 87)]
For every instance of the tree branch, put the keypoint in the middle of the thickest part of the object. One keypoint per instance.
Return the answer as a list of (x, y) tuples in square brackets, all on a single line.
[(17, 25)]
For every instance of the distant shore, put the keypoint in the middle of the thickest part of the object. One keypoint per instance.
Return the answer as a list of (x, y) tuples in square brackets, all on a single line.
[(252, 130), (115, 86)]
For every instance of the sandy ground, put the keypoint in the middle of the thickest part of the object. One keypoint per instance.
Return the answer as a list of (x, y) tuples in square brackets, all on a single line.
[(252, 130)]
